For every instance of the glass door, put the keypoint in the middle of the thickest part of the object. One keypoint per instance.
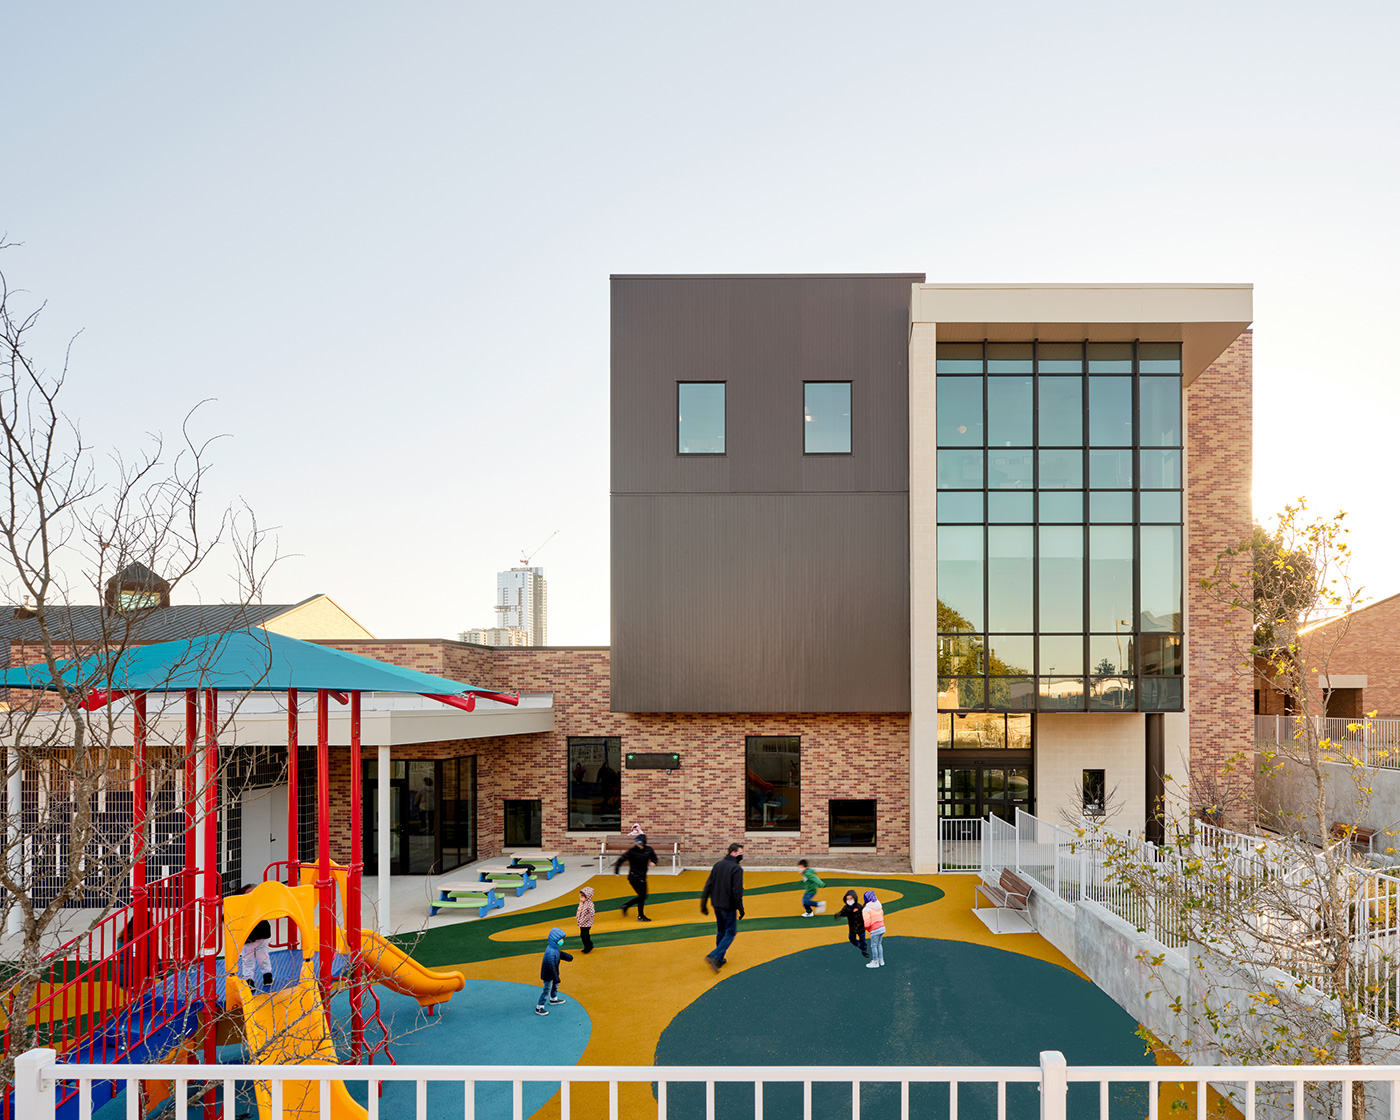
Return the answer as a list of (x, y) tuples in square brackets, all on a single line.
[(977, 787)]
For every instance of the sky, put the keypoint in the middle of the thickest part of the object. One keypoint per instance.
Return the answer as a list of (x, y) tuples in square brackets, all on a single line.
[(376, 238)]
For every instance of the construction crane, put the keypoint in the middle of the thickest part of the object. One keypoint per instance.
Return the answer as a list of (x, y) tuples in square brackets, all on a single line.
[(526, 557)]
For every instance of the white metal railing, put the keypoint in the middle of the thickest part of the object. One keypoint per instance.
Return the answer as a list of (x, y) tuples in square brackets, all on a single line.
[(1308, 1090), (960, 845), (998, 848), (1376, 742)]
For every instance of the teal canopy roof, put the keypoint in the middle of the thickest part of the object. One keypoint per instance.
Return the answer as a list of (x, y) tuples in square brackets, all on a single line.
[(236, 661)]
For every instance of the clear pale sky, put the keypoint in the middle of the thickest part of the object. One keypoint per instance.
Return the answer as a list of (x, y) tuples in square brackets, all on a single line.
[(380, 235)]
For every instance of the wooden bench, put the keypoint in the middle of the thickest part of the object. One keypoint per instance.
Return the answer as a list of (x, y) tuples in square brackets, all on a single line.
[(467, 896), (1362, 839), (1010, 893), (662, 844), (547, 864)]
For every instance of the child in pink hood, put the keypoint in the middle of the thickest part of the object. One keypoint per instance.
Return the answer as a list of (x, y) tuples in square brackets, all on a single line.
[(875, 929), (584, 917)]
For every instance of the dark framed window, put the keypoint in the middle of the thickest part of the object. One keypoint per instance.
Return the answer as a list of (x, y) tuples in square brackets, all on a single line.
[(1060, 566), (826, 417), (595, 784), (524, 824), (773, 783), (851, 823), (700, 417), (1095, 793)]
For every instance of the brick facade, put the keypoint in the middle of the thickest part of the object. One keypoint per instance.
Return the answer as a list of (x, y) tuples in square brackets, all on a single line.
[(1364, 643), (843, 756), (1219, 515)]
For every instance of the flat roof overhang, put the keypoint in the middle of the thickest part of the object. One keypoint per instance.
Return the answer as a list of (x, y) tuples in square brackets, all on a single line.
[(1204, 318)]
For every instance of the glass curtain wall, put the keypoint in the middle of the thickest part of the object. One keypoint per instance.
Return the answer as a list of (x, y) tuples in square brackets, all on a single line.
[(1060, 522)]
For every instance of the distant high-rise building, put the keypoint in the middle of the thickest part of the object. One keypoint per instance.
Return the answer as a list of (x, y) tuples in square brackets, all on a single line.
[(522, 602), (495, 636)]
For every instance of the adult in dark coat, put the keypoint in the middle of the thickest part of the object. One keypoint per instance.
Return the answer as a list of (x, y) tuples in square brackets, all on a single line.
[(725, 888), (637, 857)]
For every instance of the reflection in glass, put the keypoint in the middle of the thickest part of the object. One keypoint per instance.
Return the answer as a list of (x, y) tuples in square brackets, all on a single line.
[(1062, 654), (1161, 655), (1160, 411), (1018, 730), (1110, 577), (1110, 357), (700, 427), (1060, 413), (959, 357), (1107, 506), (595, 784), (1009, 411), (1010, 577), (1060, 357), (1159, 694), (962, 692), (959, 655), (1011, 654), (1061, 694), (1008, 357), (1009, 505), (1010, 470), (1159, 357), (960, 506), (960, 470), (960, 559), (1060, 470), (1160, 574), (1161, 505), (1112, 694), (1062, 505), (1111, 470), (1011, 693), (973, 731), (1110, 411), (959, 411), (826, 416), (1161, 470), (1112, 654), (773, 783), (851, 823), (1061, 578)]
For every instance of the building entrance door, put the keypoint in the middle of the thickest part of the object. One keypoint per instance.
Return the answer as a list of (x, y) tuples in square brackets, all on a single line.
[(974, 788), (263, 830)]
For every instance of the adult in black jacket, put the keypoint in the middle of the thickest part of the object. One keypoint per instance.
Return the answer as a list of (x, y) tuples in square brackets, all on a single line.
[(636, 858), (725, 888)]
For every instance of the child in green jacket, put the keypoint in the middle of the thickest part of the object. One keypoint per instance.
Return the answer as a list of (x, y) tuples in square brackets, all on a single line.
[(810, 883)]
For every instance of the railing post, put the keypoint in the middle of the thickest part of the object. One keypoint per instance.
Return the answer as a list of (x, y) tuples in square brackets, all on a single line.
[(1055, 855), (35, 1098), (1054, 1085)]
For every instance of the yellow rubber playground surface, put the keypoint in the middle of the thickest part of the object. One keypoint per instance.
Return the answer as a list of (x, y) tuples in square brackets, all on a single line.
[(795, 992)]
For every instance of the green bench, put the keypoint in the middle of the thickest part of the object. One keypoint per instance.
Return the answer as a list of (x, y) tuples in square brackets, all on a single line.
[(503, 880), (467, 896)]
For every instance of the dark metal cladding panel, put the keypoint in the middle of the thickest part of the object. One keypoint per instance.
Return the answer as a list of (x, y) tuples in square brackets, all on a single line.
[(763, 337), (760, 603)]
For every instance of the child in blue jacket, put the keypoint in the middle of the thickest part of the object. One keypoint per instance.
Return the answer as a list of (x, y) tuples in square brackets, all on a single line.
[(549, 970)]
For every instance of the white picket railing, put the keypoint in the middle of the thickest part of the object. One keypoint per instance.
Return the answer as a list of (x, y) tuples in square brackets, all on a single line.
[(960, 845), (1375, 742), (1306, 1090)]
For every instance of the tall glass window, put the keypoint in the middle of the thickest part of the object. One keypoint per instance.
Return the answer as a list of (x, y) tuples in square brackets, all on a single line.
[(773, 781), (1060, 526), (700, 417), (595, 784), (826, 417)]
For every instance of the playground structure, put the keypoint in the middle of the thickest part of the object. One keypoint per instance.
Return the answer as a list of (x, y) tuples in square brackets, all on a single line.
[(144, 984)]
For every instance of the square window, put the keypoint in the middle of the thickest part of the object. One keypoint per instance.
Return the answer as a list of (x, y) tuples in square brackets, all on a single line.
[(851, 823), (826, 417), (773, 783), (700, 417), (595, 784)]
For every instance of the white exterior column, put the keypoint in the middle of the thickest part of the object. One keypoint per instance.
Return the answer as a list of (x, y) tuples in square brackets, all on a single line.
[(383, 841), (14, 819), (923, 600)]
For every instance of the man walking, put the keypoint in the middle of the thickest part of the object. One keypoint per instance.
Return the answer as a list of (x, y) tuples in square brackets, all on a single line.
[(637, 857), (725, 888)]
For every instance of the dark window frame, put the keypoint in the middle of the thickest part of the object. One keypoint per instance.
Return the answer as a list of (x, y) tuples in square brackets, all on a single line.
[(757, 798), (831, 812), (612, 747), (724, 419)]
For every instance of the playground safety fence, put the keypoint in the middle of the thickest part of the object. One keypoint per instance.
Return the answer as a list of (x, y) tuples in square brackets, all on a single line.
[(1046, 1091), (1374, 742)]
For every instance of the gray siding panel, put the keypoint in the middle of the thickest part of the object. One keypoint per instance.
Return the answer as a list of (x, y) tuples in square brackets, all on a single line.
[(762, 580)]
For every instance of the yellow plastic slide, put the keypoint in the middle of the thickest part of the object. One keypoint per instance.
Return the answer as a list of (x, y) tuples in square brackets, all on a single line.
[(397, 970), (286, 1026)]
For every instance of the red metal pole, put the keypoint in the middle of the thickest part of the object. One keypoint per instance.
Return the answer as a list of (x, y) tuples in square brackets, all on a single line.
[(325, 886), (352, 882), (212, 887), (187, 883), (293, 805), (140, 909)]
